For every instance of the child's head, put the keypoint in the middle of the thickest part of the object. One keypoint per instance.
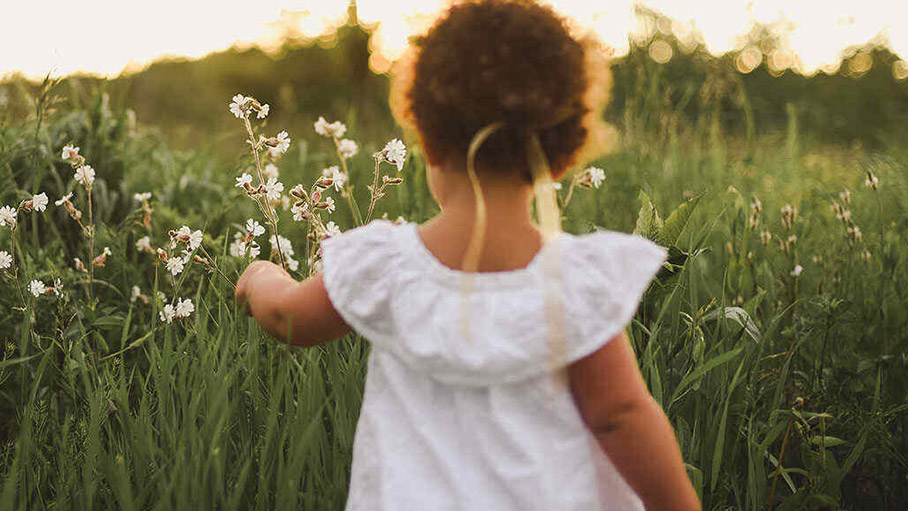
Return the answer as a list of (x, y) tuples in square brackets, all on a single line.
[(511, 61)]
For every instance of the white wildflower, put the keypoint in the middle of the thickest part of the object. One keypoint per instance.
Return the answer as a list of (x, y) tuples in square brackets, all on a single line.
[(85, 175), (292, 263), (254, 228), (797, 270), (70, 152), (596, 176), (195, 240), (162, 297), (6, 260), (329, 204), (299, 211), (37, 288), (136, 292), (395, 152), (273, 189), (184, 308), (271, 171), (335, 129), (144, 244), (338, 177), (285, 246), (238, 105), (63, 200), (58, 287), (244, 180), (8, 216), (167, 313), (263, 111), (347, 148), (142, 197), (331, 229), (175, 265), (39, 202), (283, 144)]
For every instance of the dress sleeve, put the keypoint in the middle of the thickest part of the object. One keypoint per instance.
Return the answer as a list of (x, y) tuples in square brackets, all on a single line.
[(607, 274), (356, 269)]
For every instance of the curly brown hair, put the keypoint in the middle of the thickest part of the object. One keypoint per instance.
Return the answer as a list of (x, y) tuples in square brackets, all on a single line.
[(510, 61)]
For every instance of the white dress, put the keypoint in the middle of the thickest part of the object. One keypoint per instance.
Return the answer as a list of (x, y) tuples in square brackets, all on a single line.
[(467, 415)]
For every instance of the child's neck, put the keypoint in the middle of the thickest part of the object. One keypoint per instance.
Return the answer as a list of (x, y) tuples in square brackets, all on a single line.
[(511, 238)]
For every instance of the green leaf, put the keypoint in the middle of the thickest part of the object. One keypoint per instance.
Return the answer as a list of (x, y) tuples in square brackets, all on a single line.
[(700, 371), (828, 441), (676, 222), (649, 223), (739, 316)]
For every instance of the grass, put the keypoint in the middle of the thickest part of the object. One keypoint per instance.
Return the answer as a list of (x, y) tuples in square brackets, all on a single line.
[(785, 392)]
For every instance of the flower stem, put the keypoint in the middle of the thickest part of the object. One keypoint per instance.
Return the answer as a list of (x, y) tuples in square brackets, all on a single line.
[(91, 247), (357, 216), (215, 266), (267, 210), (570, 193), (374, 191), (14, 243)]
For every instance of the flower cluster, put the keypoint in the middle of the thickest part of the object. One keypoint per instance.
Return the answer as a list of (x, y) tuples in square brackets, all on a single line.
[(38, 288), (346, 148), (182, 309), (244, 244), (241, 106), (84, 174), (756, 212)]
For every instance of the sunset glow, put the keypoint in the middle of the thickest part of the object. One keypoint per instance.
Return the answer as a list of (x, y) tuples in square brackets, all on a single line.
[(107, 37)]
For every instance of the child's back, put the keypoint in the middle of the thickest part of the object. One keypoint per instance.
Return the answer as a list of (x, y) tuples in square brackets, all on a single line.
[(474, 321), (476, 419)]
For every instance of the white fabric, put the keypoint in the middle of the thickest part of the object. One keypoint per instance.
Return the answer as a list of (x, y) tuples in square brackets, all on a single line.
[(456, 419)]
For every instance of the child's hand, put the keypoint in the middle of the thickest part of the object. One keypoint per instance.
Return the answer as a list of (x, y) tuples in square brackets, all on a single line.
[(244, 285), (296, 312)]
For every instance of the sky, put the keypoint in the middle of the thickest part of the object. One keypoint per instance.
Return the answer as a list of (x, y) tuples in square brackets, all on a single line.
[(107, 37)]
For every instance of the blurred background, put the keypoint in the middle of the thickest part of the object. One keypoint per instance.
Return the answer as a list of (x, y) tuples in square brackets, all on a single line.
[(838, 66)]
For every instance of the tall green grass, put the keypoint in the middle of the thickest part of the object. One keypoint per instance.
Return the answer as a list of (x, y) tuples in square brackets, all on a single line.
[(784, 391)]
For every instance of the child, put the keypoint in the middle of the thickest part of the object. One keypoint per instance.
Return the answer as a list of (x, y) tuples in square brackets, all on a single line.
[(473, 314)]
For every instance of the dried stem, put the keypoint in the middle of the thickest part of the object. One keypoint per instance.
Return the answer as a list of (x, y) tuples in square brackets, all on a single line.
[(374, 190), (570, 193)]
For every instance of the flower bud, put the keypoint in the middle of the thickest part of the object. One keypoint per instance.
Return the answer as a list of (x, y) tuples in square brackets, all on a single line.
[(324, 182), (298, 191), (162, 255), (392, 180), (316, 196)]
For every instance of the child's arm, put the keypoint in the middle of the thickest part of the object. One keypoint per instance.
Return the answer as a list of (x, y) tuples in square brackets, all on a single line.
[(285, 306), (630, 426)]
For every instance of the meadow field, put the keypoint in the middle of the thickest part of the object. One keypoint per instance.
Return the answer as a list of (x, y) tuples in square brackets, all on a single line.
[(776, 339)]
